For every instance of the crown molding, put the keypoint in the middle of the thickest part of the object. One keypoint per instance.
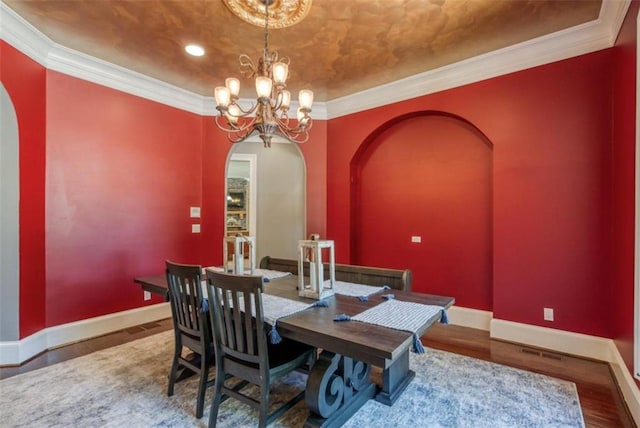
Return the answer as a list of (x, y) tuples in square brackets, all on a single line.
[(578, 40), (77, 64), (23, 36)]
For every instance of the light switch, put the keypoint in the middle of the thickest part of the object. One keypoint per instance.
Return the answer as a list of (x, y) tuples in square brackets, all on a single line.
[(195, 228), (194, 212), (417, 239)]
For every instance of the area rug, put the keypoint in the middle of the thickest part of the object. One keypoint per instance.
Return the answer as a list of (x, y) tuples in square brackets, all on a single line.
[(126, 386)]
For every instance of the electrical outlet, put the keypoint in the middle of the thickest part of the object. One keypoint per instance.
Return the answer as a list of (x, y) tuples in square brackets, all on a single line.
[(548, 314), (195, 228), (147, 295), (194, 212), (416, 239)]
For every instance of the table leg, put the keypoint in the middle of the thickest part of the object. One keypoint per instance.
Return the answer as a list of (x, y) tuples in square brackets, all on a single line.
[(395, 379), (336, 388)]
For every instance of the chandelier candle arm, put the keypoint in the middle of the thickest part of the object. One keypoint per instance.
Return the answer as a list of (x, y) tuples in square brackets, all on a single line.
[(273, 100)]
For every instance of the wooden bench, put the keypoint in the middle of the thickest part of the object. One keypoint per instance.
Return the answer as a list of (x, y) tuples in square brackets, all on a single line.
[(395, 278)]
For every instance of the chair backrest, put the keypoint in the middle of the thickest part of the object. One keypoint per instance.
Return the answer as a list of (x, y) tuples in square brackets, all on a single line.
[(239, 332), (186, 297)]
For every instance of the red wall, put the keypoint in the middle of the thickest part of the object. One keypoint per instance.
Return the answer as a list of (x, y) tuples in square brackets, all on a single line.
[(315, 157), (550, 127), (624, 92), (122, 173), (25, 81)]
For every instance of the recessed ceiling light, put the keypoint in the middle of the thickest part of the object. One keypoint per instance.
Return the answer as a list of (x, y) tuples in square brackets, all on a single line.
[(194, 50)]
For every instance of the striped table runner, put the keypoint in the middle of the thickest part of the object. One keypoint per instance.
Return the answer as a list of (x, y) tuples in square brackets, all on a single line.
[(407, 316), (275, 308), (355, 290), (267, 273)]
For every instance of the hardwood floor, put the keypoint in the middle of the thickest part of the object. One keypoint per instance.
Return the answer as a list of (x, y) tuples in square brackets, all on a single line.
[(602, 404), (601, 401)]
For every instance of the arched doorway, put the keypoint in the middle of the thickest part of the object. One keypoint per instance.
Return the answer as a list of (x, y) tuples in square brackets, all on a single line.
[(422, 199), (9, 221), (280, 198)]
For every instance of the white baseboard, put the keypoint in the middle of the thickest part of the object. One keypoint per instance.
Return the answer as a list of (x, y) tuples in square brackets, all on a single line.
[(473, 318), (16, 352), (627, 384), (575, 344), (566, 342)]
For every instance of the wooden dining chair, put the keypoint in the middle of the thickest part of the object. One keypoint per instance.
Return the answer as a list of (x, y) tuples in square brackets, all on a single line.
[(241, 347), (192, 327)]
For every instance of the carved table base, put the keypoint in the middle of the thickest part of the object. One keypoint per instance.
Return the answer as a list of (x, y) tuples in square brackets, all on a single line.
[(395, 380), (336, 388)]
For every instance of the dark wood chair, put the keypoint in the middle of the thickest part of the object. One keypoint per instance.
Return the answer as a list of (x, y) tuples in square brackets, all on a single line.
[(242, 349), (192, 327)]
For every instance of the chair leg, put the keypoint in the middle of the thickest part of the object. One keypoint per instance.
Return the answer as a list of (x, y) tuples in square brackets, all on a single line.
[(202, 385), (264, 406), (173, 373), (217, 398)]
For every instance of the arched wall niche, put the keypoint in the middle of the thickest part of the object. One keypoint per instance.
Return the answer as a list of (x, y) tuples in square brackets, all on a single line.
[(422, 198)]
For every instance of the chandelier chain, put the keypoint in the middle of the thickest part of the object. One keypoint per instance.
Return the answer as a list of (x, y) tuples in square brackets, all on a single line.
[(266, 28)]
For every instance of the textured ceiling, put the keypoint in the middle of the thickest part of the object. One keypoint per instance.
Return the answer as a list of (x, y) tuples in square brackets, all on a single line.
[(341, 47)]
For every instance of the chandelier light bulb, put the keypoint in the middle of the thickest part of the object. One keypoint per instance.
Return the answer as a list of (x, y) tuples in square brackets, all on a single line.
[(233, 85), (223, 96), (280, 72), (286, 100), (234, 113), (263, 86), (305, 98)]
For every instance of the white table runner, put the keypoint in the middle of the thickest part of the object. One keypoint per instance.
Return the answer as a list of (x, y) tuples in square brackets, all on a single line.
[(399, 315)]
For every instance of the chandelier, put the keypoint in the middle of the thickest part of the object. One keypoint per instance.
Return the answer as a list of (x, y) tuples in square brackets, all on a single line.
[(273, 102)]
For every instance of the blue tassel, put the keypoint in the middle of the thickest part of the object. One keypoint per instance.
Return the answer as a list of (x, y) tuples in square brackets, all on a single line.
[(274, 336), (444, 318), (388, 296), (204, 306), (363, 298), (320, 304), (417, 345), (386, 287), (342, 317)]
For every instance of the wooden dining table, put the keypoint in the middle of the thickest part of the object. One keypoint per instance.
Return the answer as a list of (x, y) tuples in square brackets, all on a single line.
[(340, 382)]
